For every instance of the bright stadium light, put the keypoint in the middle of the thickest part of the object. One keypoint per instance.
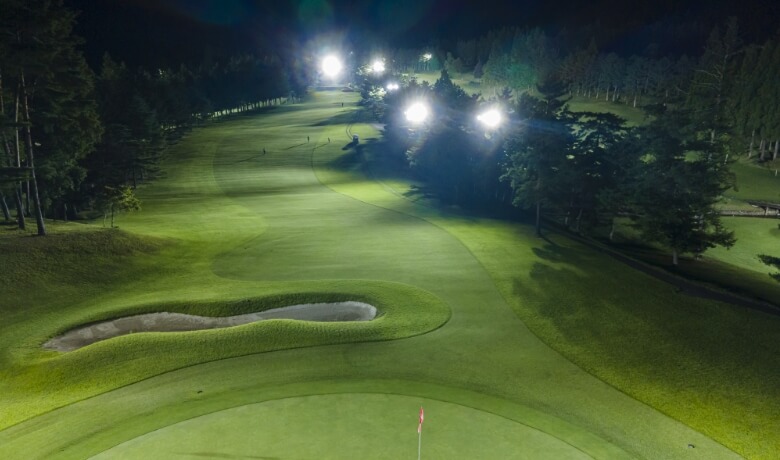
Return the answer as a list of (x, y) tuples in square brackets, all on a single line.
[(378, 66), (392, 86), (331, 66), (491, 118), (417, 112), (427, 57)]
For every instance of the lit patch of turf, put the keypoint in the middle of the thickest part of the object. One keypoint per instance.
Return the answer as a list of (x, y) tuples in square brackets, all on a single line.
[(377, 426)]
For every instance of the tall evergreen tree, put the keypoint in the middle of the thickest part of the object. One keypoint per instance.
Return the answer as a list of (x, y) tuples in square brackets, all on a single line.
[(713, 80), (53, 87), (537, 151), (677, 185)]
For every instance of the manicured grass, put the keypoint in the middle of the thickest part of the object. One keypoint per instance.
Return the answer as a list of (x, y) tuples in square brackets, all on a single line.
[(754, 236), (231, 229), (383, 428), (755, 182), (631, 330), (634, 116)]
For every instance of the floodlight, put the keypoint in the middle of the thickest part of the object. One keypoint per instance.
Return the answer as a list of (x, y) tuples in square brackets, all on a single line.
[(378, 66), (417, 112), (331, 66), (392, 86), (491, 118), (427, 56)]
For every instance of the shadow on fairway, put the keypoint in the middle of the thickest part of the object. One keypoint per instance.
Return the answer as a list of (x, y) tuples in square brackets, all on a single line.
[(247, 159), (293, 146), (352, 145), (343, 118)]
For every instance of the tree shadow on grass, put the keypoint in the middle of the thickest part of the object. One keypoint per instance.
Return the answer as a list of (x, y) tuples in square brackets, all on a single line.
[(608, 317), (343, 118), (420, 192), (248, 159), (351, 160)]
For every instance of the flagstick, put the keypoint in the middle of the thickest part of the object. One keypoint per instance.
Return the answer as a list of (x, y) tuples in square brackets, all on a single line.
[(419, 443), (419, 432)]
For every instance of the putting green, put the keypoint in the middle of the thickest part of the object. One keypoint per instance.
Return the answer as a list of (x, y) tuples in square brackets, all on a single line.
[(338, 426)]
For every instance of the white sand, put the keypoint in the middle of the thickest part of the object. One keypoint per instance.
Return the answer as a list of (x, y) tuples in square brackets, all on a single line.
[(174, 322)]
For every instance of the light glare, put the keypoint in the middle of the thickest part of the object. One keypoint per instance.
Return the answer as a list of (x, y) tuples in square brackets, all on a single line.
[(417, 112), (378, 66), (331, 66), (490, 118), (392, 86)]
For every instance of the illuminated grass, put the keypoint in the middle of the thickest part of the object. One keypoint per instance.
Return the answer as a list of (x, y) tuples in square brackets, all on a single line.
[(686, 357), (228, 224), (755, 182)]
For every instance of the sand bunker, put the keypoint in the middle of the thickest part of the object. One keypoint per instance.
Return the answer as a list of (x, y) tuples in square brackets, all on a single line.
[(176, 322)]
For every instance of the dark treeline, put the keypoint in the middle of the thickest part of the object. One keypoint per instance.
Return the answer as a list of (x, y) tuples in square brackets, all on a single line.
[(585, 170), (734, 82), (75, 139)]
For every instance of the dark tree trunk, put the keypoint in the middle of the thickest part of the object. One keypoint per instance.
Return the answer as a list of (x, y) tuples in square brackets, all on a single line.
[(20, 208), (31, 160), (612, 230), (539, 218), (579, 219), (4, 205)]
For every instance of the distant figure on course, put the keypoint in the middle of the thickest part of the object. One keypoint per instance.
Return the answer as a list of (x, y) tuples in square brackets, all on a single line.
[(307, 138), (263, 151), (328, 140)]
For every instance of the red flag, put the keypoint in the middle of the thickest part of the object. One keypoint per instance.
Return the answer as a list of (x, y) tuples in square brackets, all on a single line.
[(422, 417)]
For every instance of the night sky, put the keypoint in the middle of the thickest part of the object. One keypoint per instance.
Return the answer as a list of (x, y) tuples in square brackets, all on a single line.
[(152, 32)]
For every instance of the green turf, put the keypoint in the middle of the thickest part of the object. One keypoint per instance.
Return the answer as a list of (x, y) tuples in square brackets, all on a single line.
[(383, 428), (754, 237), (230, 229), (630, 329), (634, 116), (755, 182)]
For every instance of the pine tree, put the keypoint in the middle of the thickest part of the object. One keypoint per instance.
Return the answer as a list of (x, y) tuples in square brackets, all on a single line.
[(677, 185), (537, 152), (57, 120), (713, 80)]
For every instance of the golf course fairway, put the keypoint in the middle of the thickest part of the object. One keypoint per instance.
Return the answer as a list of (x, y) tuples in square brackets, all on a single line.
[(228, 229)]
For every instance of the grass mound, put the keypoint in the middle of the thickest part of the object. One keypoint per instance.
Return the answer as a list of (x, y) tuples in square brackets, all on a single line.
[(406, 311)]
